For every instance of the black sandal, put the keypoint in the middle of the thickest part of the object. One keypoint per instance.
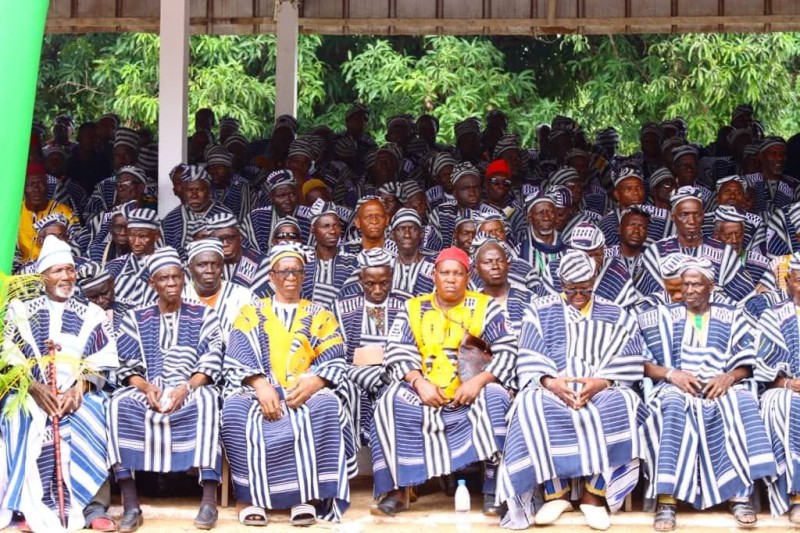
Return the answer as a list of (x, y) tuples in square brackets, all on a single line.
[(392, 504), (741, 510), (206, 517), (665, 514)]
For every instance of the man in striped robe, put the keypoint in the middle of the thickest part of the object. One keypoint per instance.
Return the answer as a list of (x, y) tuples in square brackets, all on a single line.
[(436, 408), (244, 265), (698, 353), (413, 269), (205, 284), (129, 272), (284, 201), (330, 268), (365, 316), (687, 213), (165, 417), (574, 420), (467, 198), (628, 192), (541, 243), (778, 367), (286, 434), (182, 224), (85, 351)]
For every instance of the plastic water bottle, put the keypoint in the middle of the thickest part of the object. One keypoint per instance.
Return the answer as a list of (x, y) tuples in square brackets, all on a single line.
[(462, 497)]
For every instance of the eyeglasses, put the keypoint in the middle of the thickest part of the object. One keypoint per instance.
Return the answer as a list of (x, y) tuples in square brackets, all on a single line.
[(284, 274), (576, 292), (285, 235), (500, 181)]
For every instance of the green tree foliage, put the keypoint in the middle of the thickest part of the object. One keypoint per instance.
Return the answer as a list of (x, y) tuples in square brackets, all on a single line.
[(619, 81)]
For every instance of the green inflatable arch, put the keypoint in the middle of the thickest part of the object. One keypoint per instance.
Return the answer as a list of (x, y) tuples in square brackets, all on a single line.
[(21, 34)]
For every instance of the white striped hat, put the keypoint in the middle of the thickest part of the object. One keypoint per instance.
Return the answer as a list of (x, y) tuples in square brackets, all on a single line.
[(195, 173), (660, 175), (374, 257), (91, 274), (54, 252), (586, 236), (670, 265), (279, 178), (127, 137), (148, 157), (210, 244), (700, 264), (143, 218), (729, 213), (133, 170), (462, 170), (769, 142), (687, 192), (576, 267), (49, 220), (563, 176), (625, 173), (163, 257), (404, 215)]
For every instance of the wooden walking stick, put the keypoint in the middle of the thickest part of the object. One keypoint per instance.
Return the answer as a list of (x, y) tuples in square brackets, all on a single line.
[(51, 352)]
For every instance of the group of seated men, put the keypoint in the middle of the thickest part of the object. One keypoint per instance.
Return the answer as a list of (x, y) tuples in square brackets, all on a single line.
[(566, 320)]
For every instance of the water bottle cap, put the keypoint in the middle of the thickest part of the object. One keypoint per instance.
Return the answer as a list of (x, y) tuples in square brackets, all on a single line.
[(462, 483)]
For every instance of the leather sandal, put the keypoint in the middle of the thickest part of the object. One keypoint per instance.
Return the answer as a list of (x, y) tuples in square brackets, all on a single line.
[(391, 504), (132, 519), (742, 509), (206, 516), (665, 514)]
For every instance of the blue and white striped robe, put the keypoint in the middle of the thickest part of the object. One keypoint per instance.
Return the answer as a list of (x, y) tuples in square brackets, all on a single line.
[(260, 222), (723, 445), (613, 282), (517, 302), (364, 383), (728, 270), (519, 273), (538, 254), (324, 279), (132, 279), (551, 442), (251, 272), (781, 234), (83, 333), (65, 191), (413, 279), (167, 354), (767, 200), (755, 231), (104, 196), (309, 453), (443, 220), (180, 225), (778, 354), (412, 443), (232, 298)]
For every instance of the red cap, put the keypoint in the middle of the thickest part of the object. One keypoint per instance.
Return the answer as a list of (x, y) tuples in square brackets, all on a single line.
[(498, 166), (453, 253), (35, 168)]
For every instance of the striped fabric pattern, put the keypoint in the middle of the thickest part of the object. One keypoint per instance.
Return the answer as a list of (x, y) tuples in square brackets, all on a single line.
[(309, 453), (547, 440), (131, 279), (323, 280), (180, 224), (656, 228), (411, 442), (613, 282), (251, 272), (703, 452), (167, 349)]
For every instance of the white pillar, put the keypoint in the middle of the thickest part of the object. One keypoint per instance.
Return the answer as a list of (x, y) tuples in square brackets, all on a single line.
[(173, 96), (286, 19)]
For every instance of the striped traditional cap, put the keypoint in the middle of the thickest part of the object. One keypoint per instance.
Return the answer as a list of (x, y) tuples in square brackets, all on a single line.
[(91, 274), (229, 122), (672, 142), (625, 173), (113, 116), (368, 198), (562, 196), (195, 173), (122, 209), (441, 160), (465, 127), (403, 216), (670, 265), (509, 141), (576, 267), (374, 257), (345, 147), (539, 198), (699, 264), (288, 220), (286, 249), (221, 220), (127, 137), (302, 146), (49, 220), (687, 192), (586, 236), (393, 149), (462, 219), (279, 178), (143, 218), (163, 257), (210, 244), (660, 175), (651, 128), (320, 208), (390, 188), (769, 142), (729, 213), (607, 137), (148, 157), (636, 209), (684, 150), (750, 150), (563, 176), (355, 109), (398, 120), (735, 134), (234, 139), (481, 239), (409, 189), (732, 179), (54, 252), (464, 169), (575, 152), (221, 157), (794, 261), (133, 171)]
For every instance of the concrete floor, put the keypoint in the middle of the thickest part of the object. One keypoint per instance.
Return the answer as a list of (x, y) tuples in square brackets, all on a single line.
[(431, 512)]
